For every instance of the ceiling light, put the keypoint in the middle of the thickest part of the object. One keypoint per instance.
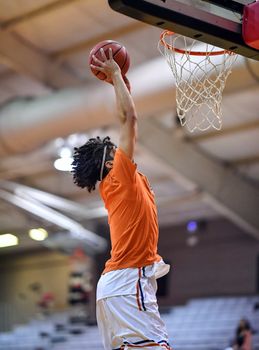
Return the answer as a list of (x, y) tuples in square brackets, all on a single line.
[(191, 241), (8, 240), (63, 164), (38, 234), (192, 226), (65, 152)]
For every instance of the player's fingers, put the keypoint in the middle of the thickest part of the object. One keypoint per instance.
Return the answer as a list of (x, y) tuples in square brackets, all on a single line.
[(97, 67), (110, 53), (97, 60), (103, 54)]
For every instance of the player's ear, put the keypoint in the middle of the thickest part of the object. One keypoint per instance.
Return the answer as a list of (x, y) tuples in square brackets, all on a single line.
[(109, 164)]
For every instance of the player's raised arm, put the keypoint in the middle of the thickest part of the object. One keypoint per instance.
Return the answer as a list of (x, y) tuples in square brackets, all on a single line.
[(125, 105)]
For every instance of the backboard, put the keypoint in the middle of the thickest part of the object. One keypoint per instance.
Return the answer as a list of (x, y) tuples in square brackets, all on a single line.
[(217, 22)]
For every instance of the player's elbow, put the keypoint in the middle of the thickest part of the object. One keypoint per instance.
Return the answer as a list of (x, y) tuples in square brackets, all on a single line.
[(129, 117)]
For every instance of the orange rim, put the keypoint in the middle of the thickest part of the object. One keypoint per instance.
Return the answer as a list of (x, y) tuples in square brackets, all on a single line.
[(193, 53)]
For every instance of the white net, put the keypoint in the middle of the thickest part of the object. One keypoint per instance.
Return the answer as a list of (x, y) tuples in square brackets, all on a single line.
[(200, 78)]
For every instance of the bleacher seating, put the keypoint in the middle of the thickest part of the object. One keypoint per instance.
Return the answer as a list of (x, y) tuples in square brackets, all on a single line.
[(201, 324), (210, 323)]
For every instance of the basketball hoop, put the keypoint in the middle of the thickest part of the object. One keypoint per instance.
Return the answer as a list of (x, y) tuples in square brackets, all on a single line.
[(200, 78)]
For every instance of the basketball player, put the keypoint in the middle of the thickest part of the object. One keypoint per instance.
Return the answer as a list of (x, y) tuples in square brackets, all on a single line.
[(127, 311)]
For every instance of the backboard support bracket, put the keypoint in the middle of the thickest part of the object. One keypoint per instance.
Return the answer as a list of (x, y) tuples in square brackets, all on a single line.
[(189, 21), (232, 5)]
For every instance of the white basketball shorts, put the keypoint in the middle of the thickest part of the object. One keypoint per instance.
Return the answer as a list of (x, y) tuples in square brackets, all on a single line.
[(133, 321)]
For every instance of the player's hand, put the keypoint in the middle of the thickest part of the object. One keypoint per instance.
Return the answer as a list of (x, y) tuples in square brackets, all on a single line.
[(107, 65)]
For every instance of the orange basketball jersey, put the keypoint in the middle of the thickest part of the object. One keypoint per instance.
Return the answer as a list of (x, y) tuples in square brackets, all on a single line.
[(132, 215)]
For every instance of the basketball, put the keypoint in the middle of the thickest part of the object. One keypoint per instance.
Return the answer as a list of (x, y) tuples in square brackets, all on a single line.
[(119, 53)]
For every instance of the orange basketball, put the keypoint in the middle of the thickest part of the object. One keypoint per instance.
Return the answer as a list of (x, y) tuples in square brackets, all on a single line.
[(119, 53)]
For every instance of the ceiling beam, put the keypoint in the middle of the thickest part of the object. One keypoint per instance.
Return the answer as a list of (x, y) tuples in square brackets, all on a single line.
[(218, 182), (53, 201), (226, 131), (28, 16), (75, 230), (32, 62), (37, 170), (88, 44), (25, 125), (245, 161)]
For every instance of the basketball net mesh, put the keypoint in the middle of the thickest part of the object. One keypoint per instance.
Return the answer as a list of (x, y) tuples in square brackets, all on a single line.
[(200, 78)]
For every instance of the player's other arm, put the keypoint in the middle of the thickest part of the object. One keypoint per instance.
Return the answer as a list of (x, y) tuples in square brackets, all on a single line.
[(125, 105)]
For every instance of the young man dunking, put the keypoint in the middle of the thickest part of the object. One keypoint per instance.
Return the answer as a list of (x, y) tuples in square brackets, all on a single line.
[(127, 310)]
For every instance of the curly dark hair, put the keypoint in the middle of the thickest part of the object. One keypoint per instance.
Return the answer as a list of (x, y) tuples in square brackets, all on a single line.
[(87, 163)]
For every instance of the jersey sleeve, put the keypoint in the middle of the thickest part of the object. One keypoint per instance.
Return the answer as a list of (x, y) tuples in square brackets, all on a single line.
[(124, 169)]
